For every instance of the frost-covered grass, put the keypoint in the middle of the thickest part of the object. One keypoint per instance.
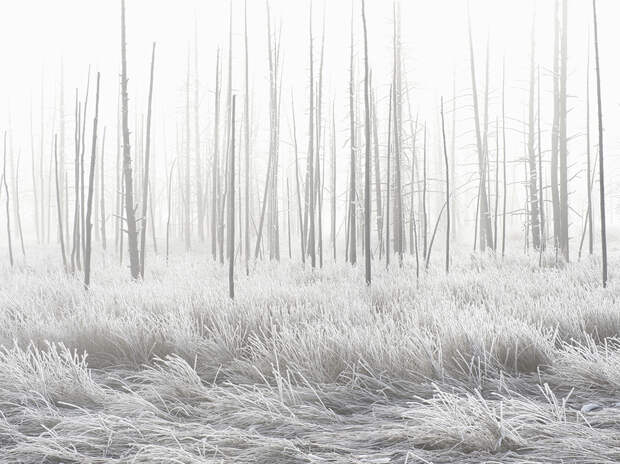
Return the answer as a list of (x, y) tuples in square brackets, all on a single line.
[(489, 364)]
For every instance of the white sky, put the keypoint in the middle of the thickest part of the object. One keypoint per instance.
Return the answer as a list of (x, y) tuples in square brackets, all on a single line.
[(36, 34)]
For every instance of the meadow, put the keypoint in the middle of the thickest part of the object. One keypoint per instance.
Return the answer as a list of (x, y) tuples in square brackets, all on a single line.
[(502, 360)]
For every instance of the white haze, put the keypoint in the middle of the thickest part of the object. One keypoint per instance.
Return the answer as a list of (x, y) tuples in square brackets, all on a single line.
[(37, 36)]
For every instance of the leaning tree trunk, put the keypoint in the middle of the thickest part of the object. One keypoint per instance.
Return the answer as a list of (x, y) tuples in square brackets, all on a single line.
[(91, 184), (147, 159), (58, 208), (445, 154), (600, 149), (130, 212)]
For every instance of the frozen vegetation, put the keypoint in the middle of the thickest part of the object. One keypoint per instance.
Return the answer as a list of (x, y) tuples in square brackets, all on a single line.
[(499, 361)]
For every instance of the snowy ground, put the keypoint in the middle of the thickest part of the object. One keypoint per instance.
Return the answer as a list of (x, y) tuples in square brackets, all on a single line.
[(497, 362)]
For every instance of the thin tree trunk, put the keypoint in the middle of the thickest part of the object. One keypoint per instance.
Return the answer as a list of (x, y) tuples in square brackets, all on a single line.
[(59, 209), (231, 208), (352, 193), (247, 147), (130, 214), (147, 160), (102, 199), (600, 148), (91, 184), (367, 211), (445, 153), (533, 181), (8, 213)]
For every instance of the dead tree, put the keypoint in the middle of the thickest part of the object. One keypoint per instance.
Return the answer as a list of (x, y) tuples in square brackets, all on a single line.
[(169, 218), (333, 183), (564, 245), (34, 180), (59, 208), (8, 213), (388, 191), (367, 210), (246, 111), (130, 213), (601, 158), (91, 184), (445, 154), (215, 168), (310, 187), (352, 238), (397, 125), (187, 202), (147, 160), (231, 208), (379, 197), (486, 233), (541, 199), (76, 247), (102, 199), (199, 189), (504, 184), (531, 149)]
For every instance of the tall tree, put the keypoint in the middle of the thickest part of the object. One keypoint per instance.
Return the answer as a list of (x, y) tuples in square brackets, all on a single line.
[(147, 160), (531, 149), (564, 245), (8, 213), (445, 154), (486, 234), (91, 184), (130, 212), (352, 250), (58, 207), (601, 157), (367, 211), (231, 207)]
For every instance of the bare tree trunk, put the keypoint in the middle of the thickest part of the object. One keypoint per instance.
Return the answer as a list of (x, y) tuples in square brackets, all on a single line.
[(397, 108), (187, 203), (504, 155), (352, 248), (34, 181), (564, 245), (215, 186), (130, 213), (298, 187), (59, 209), (533, 181), (147, 160), (199, 190), (485, 220), (231, 209), (445, 154), (388, 188), (367, 211), (8, 213), (541, 199), (168, 220), (91, 184), (247, 147), (75, 252), (333, 183), (102, 199), (424, 213), (379, 197), (555, 194), (589, 156), (310, 176), (600, 148)]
